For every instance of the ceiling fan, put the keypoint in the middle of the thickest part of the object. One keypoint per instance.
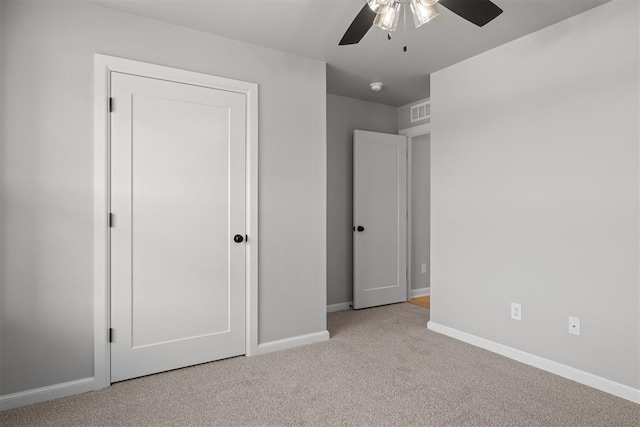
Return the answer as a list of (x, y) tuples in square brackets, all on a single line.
[(384, 14)]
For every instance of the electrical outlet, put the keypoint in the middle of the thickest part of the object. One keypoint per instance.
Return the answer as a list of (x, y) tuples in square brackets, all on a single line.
[(516, 311), (574, 325), (424, 268)]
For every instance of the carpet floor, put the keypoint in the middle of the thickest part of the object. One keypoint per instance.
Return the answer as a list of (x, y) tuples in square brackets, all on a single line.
[(381, 367)]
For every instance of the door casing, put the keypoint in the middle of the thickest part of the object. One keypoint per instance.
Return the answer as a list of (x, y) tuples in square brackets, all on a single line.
[(103, 67), (411, 133)]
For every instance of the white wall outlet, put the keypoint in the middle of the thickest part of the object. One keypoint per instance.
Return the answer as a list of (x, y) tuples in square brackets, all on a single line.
[(516, 311), (574, 325), (424, 268)]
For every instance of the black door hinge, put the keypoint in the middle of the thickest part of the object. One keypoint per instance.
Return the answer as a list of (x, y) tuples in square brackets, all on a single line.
[(111, 105), (110, 220), (110, 334)]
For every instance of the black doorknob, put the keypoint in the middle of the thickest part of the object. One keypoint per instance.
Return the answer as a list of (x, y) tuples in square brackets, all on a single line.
[(360, 228), (238, 238)]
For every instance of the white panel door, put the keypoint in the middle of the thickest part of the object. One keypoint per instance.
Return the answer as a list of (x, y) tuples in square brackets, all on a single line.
[(178, 199), (379, 219)]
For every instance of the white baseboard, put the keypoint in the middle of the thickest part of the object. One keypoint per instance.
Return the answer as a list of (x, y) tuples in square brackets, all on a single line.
[(286, 343), (29, 397), (559, 369), (42, 394), (348, 305), (420, 292), (339, 307)]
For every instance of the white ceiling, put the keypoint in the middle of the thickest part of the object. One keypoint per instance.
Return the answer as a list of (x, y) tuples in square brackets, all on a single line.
[(312, 28)]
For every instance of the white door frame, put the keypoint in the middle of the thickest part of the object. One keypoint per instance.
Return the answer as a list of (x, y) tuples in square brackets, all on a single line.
[(103, 67), (411, 133)]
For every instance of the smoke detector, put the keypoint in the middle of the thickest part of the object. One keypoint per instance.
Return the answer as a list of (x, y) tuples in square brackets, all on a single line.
[(376, 86)]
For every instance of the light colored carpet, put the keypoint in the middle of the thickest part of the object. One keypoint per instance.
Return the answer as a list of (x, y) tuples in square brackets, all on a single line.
[(381, 367)]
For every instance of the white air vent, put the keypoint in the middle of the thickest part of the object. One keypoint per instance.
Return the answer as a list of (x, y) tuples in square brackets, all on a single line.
[(420, 111)]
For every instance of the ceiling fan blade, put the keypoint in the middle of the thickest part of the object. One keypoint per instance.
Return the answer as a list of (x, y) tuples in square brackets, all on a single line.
[(359, 26), (479, 12)]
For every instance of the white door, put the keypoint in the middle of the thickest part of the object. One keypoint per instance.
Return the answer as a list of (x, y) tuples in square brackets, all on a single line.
[(177, 200), (379, 219)]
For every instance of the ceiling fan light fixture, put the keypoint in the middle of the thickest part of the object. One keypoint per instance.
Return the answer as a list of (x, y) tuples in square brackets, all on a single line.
[(379, 6), (423, 12), (388, 20)]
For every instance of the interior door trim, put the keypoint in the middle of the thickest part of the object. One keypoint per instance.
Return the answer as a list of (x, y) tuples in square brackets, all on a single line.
[(411, 133), (103, 67)]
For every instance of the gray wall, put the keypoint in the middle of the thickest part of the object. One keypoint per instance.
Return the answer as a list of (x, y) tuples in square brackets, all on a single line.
[(535, 184), (420, 210), (343, 116), (1, 179), (404, 115), (47, 73)]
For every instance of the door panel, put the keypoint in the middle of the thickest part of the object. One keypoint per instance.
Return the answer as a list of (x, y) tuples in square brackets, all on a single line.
[(178, 197), (379, 207)]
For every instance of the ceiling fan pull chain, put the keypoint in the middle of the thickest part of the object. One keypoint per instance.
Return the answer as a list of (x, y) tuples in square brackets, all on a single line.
[(404, 25)]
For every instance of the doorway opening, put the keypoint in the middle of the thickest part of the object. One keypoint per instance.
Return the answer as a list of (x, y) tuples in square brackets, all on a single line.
[(344, 116), (419, 215)]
